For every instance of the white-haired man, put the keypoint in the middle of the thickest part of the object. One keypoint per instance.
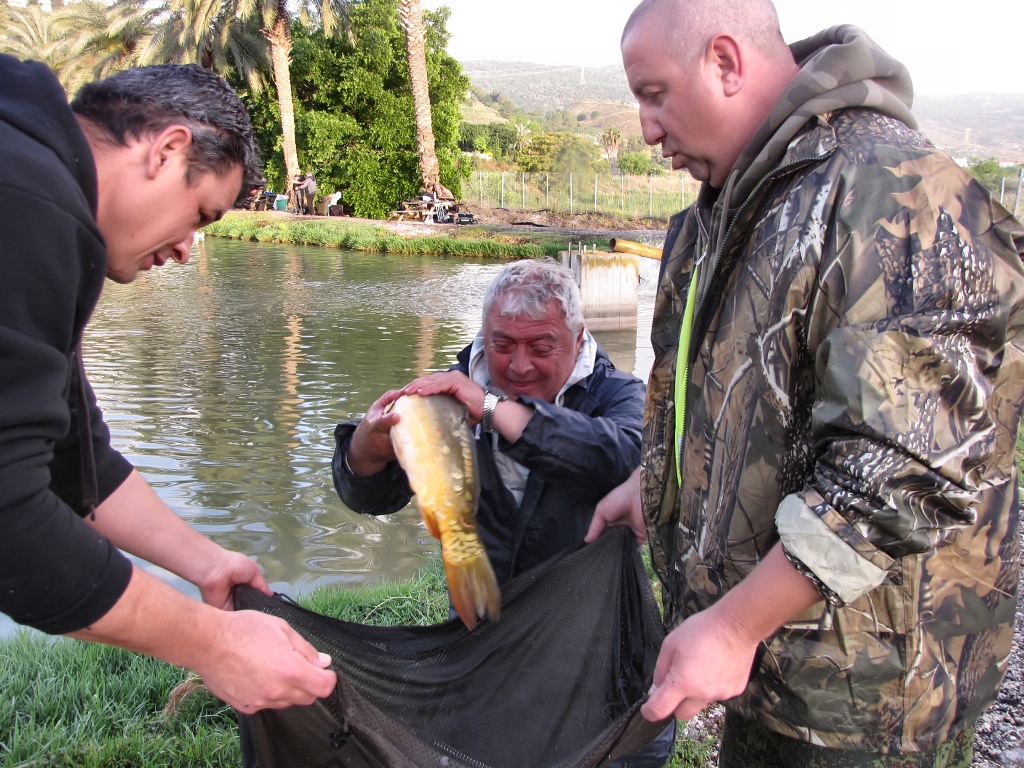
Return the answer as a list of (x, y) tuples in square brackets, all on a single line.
[(558, 427), (828, 469)]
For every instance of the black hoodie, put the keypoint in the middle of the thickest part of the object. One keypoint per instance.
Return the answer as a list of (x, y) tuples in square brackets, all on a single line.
[(56, 572)]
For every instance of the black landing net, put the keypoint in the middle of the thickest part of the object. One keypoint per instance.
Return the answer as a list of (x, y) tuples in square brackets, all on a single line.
[(558, 681)]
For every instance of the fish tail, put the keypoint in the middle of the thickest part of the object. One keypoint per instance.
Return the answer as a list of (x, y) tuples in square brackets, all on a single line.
[(474, 590)]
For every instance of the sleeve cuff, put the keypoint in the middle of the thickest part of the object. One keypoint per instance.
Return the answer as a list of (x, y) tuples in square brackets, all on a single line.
[(826, 556)]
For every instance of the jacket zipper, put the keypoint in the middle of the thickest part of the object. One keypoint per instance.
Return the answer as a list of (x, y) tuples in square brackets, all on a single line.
[(691, 314)]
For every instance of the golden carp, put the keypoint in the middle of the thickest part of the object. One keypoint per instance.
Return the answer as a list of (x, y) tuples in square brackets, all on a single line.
[(436, 449)]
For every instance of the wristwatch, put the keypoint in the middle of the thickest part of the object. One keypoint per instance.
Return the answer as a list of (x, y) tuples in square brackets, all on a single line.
[(491, 401)]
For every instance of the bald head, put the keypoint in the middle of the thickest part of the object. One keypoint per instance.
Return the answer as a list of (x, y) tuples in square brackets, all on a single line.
[(690, 24), (706, 74)]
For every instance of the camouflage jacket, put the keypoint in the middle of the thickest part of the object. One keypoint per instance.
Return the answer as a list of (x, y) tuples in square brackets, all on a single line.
[(856, 385)]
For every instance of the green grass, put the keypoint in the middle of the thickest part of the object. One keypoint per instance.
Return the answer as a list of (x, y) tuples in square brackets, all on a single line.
[(68, 704), (358, 236)]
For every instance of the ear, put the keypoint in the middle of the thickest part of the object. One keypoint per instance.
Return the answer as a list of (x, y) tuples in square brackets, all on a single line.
[(726, 56), (167, 148), (579, 339)]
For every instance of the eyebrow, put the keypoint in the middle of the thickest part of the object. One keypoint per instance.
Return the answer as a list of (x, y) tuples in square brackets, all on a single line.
[(541, 337)]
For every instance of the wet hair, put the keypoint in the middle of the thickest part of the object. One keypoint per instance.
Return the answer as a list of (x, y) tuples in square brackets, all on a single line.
[(690, 24), (146, 100), (527, 287)]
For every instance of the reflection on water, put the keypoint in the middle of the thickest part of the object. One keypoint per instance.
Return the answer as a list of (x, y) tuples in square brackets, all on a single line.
[(222, 381)]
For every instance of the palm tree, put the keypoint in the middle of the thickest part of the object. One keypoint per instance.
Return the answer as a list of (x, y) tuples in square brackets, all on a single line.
[(611, 139), (522, 138), (103, 40), (412, 21), (29, 34), (271, 18)]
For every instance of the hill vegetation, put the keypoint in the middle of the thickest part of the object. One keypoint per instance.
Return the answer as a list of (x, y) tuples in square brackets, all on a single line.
[(977, 125)]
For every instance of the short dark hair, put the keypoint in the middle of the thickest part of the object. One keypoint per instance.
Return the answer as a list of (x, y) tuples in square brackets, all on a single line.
[(147, 100)]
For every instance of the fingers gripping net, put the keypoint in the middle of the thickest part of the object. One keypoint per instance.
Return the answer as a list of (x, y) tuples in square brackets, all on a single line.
[(557, 682)]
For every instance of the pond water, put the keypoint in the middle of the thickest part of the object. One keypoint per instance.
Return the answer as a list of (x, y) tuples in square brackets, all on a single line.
[(222, 381)]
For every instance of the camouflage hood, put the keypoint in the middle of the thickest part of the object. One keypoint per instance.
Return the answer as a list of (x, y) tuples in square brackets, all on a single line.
[(840, 67)]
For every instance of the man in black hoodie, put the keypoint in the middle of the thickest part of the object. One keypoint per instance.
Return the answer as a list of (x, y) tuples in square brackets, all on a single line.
[(116, 183)]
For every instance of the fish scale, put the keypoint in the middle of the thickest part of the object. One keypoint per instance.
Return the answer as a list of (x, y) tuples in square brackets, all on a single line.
[(436, 449)]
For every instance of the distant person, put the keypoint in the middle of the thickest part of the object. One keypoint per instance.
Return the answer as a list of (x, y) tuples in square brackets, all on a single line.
[(306, 194), (557, 427), (828, 476), (116, 183)]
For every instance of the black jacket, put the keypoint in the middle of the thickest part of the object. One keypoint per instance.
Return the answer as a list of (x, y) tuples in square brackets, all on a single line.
[(576, 454), (56, 573)]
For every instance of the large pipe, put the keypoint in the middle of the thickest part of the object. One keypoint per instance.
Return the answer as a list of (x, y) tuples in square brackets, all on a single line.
[(628, 246)]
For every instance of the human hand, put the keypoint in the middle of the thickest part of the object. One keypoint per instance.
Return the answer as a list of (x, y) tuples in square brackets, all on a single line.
[(454, 383), (370, 449), (259, 662), (705, 659), (620, 507), (227, 572)]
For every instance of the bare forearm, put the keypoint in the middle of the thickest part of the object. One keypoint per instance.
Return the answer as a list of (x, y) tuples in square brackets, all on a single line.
[(154, 618), (511, 418), (137, 521), (772, 594), (708, 657)]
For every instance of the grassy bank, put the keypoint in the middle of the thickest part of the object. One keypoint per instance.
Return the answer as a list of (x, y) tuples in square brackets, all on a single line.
[(472, 241), (66, 704)]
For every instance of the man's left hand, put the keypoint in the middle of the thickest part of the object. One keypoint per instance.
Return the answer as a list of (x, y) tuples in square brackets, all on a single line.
[(454, 383), (228, 572), (703, 660)]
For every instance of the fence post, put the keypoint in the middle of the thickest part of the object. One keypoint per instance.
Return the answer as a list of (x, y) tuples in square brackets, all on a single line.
[(1002, 191), (570, 192), (622, 191), (1020, 188), (650, 196), (547, 191), (524, 190), (480, 178), (595, 193), (503, 190)]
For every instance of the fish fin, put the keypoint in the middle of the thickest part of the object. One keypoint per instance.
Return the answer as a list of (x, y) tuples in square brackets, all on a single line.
[(474, 590), (431, 522)]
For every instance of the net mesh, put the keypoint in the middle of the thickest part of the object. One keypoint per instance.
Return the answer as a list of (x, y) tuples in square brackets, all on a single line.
[(557, 682)]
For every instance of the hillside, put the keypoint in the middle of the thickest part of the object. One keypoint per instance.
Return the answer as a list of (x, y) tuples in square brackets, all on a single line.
[(967, 125), (975, 124), (542, 87)]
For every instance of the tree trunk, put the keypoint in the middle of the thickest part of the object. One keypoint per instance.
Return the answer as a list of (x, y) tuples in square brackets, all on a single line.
[(412, 20), (280, 38)]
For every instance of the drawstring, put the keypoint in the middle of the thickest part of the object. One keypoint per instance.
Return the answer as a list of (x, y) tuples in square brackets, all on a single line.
[(90, 485)]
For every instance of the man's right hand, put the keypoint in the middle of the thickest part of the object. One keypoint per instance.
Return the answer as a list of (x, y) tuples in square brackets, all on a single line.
[(370, 449), (260, 662), (248, 659), (620, 507)]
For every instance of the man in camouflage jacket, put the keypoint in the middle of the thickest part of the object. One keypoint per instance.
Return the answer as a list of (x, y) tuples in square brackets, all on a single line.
[(853, 302)]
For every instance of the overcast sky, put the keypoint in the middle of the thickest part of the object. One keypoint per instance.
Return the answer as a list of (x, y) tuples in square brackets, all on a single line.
[(949, 47)]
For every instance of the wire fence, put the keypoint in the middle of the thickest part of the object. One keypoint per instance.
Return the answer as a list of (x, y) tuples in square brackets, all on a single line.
[(621, 195)]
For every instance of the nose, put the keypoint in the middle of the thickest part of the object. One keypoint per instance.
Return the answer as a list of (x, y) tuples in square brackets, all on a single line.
[(183, 250), (650, 128), (520, 363)]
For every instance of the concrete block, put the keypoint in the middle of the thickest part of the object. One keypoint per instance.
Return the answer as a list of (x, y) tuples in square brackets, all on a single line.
[(609, 284)]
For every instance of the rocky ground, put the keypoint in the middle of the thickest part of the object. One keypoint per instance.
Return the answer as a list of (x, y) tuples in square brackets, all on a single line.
[(1000, 739)]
